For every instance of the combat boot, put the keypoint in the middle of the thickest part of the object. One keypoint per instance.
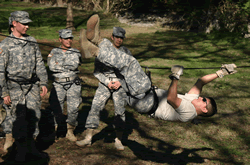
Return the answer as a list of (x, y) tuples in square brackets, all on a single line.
[(93, 29), (70, 133), (8, 142), (87, 140), (88, 49), (22, 150), (31, 148), (118, 143)]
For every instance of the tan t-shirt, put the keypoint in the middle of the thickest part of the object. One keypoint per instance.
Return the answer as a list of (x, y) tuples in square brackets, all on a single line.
[(185, 112)]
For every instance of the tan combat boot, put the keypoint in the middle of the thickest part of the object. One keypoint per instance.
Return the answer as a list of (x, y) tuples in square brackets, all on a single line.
[(87, 140), (118, 143), (93, 29), (88, 49), (70, 133), (8, 142)]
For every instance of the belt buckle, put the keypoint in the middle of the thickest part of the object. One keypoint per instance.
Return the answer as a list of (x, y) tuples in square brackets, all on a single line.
[(67, 79)]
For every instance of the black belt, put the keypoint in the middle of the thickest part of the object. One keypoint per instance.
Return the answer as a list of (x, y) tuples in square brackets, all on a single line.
[(156, 102), (24, 82)]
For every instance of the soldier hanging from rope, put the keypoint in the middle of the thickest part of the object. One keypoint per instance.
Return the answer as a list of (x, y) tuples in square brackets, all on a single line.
[(158, 103)]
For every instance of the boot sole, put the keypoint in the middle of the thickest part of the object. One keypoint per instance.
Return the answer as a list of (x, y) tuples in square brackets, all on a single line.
[(93, 27)]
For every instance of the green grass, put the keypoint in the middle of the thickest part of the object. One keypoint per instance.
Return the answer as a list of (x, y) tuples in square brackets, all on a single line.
[(222, 139)]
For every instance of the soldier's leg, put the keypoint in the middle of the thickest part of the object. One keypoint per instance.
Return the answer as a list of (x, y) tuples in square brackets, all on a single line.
[(119, 98), (33, 101), (7, 126), (56, 100), (100, 99), (73, 102), (101, 96)]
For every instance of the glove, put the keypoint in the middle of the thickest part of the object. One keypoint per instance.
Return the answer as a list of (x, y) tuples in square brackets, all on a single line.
[(177, 71), (226, 69)]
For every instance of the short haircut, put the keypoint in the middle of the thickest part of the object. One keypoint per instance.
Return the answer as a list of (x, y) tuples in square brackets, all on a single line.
[(211, 107)]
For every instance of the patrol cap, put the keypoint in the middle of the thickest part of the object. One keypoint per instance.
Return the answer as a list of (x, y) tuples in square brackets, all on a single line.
[(65, 33), (119, 32), (19, 16)]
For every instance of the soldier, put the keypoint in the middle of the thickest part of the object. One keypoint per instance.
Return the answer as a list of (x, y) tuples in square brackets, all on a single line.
[(158, 103), (64, 62), (22, 75), (108, 86)]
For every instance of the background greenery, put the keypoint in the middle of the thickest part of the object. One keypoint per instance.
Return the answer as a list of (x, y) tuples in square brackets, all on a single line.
[(222, 139)]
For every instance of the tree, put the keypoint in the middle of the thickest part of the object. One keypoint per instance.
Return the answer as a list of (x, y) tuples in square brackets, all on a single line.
[(59, 3), (70, 19)]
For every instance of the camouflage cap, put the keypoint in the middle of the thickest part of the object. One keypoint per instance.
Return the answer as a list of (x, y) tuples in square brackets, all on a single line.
[(19, 16), (119, 32), (65, 33)]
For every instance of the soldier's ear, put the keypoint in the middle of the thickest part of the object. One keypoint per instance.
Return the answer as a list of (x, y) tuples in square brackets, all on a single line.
[(14, 23), (204, 110)]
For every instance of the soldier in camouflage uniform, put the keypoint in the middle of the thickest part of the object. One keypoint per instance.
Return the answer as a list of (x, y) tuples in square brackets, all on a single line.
[(108, 78), (64, 62), (22, 76)]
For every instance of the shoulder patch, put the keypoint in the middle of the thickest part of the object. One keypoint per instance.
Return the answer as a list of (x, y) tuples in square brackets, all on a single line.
[(50, 55), (1, 50)]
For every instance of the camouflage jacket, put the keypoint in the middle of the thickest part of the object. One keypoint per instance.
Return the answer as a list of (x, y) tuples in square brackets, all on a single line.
[(64, 64), (20, 60)]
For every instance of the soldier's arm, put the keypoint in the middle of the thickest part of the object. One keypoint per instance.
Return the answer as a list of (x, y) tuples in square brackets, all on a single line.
[(197, 88), (99, 75), (41, 71), (73, 61), (3, 63), (55, 64)]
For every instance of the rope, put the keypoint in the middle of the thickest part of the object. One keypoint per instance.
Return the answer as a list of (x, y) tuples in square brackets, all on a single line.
[(146, 67), (36, 42)]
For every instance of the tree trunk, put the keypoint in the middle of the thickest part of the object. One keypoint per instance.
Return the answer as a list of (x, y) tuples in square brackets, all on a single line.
[(107, 9), (26, 0), (59, 3), (70, 19)]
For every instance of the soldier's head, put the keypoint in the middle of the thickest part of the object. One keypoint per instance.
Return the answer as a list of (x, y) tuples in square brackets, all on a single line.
[(207, 106), (118, 36), (66, 38), (19, 22)]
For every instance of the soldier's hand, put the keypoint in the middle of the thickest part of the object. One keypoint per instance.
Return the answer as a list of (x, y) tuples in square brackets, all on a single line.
[(226, 69), (116, 85), (44, 91), (177, 71), (7, 100), (110, 85)]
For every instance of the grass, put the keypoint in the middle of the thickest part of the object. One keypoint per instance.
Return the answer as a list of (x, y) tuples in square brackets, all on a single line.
[(222, 139)]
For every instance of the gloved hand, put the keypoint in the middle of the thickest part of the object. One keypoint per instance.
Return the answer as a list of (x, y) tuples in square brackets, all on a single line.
[(177, 71), (226, 69)]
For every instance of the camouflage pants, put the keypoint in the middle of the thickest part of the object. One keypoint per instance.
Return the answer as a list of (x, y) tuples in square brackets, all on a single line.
[(24, 113), (143, 105), (100, 99), (137, 82), (59, 95)]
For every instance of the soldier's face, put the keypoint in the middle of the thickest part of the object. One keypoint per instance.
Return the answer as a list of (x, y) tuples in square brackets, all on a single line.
[(66, 42), (20, 28), (117, 41)]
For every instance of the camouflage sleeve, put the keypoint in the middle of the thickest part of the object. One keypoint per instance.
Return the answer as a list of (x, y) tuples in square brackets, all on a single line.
[(41, 71), (3, 63), (127, 51), (56, 64), (73, 61), (99, 75)]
